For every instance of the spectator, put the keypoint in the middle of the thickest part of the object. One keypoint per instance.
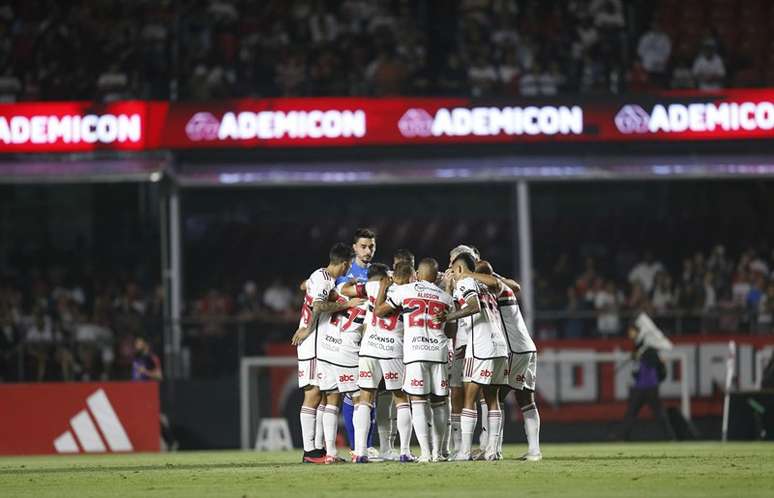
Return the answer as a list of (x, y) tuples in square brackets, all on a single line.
[(766, 310), (654, 49), (509, 73), (482, 76), (607, 14), (607, 303), (10, 342), (387, 74), (645, 271), (638, 79), (682, 74), (453, 79), (663, 297), (146, 365), (708, 67), (278, 297)]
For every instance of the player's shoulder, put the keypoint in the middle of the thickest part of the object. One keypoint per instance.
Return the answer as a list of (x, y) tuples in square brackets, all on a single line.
[(321, 274), (466, 285)]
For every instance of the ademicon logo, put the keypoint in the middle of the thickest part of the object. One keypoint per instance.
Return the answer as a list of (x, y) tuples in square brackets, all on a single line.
[(267, 125), (728, 116), (89, 128), (488, 121)]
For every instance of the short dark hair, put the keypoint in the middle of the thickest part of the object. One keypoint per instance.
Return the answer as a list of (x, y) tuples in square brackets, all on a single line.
[(476, 251), (404, 255), (363, 233), (431, 262), (467, 259), (403, 269), (377, 270), (340, 252)]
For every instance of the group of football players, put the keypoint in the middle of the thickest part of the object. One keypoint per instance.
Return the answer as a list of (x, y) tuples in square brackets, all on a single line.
[(443, 345)]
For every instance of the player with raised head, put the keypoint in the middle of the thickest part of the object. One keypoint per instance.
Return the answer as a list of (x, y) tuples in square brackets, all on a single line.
[(381, 362), (486, 355), (522, 364), (425, 352), (352, 284), (321, 302)]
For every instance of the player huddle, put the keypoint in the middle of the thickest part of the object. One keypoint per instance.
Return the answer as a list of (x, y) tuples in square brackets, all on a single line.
[(439, 344)]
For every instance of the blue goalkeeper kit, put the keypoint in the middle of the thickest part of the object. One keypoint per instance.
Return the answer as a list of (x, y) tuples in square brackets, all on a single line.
[(359, 274)]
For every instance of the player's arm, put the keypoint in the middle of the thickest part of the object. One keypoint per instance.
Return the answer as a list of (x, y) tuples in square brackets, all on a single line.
[(509, 282), (472, 306), (450, 329), (352, 289), (383, 306), (492, 282), (320, 307)]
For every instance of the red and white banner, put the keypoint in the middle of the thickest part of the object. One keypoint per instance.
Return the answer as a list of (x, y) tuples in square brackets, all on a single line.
[(350, 122), (109, 417)]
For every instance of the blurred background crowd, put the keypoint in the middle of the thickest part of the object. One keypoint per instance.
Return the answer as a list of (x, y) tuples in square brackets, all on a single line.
[(205, 49)]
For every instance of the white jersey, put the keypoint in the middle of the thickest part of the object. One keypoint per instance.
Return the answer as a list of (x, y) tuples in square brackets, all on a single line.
[(339, 342), (519, 340), (319, 287), (487, 338), (424, 339), (463, 326), (383, 337)]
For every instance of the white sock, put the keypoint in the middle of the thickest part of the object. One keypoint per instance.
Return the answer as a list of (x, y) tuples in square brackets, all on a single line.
[(500, 439), (331, 428), (308, 418), (532, 427), (483, 438), (447, 429), (404, 427), (495, 424), (319, 438), (361, 419), (384, 423), (420, 415), (393, 424), (456, 434), (440, 425), (468, 419)]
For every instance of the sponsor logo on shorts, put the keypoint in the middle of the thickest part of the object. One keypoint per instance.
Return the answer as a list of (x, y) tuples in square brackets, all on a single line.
[(417, 383), (391, 376), (346, 378), (486, 373), (444, 384), (365, 375), (301, 373), (519, 378)]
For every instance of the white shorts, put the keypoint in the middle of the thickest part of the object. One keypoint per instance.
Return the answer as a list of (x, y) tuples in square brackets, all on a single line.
[(335, 378), (307, 373), (455, 372), (373, 370), (486, 372), (423, 378), (521, 371)]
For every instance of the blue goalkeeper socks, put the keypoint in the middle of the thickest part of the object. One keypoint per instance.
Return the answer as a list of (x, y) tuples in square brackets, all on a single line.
[(347, 410)]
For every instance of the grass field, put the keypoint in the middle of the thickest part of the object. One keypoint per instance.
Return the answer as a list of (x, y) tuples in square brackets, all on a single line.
[(615, 470)]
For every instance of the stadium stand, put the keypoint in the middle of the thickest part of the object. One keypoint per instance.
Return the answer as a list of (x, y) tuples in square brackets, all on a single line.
[(234, 48)]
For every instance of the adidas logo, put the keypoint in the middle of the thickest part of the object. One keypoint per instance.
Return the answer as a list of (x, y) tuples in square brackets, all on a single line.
[(98, 410)]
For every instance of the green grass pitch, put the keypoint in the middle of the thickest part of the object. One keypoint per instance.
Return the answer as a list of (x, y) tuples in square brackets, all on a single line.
[(593, 470)]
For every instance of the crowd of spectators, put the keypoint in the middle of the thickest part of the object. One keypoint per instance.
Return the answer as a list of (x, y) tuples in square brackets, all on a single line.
[(207, 49), (711, 292), (54, 326)]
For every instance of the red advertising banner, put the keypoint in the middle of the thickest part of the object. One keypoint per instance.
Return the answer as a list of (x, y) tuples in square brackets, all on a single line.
[(580, 389), (346, 122), (90, 417)]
